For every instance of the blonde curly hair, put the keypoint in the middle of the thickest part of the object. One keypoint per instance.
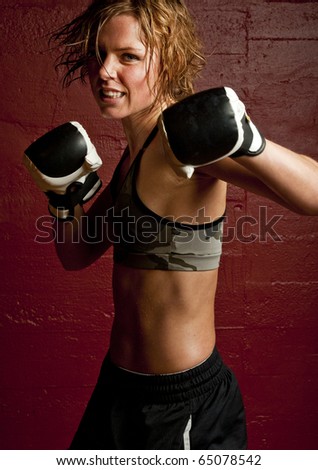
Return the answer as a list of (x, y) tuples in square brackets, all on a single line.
[(167, 28)]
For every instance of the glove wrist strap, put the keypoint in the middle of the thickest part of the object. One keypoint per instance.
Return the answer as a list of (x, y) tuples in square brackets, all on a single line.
[(62, 206)]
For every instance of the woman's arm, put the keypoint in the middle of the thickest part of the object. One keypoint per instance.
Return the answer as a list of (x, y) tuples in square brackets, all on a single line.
[(293, 177), (210, 131), (88, 236), (279, 174)]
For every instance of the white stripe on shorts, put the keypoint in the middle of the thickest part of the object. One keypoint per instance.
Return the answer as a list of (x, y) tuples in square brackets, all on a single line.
[(186, 435)]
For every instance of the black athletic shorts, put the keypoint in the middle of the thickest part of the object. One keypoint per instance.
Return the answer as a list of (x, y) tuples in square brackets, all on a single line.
[(198, 409)]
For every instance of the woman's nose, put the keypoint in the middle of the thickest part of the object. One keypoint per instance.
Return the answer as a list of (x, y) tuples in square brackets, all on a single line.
[(108, 69)]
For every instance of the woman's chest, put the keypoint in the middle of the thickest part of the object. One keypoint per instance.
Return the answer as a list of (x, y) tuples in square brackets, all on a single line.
[(193, 201), (153, 182)]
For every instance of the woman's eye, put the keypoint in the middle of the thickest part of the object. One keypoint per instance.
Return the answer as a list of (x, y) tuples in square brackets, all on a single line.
[(130, 57)]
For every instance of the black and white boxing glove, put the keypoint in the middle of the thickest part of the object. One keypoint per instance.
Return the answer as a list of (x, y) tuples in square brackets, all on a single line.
[(208, 126), (63, 163)]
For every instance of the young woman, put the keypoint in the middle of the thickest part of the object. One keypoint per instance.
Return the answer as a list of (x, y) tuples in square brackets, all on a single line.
[(163, 384)]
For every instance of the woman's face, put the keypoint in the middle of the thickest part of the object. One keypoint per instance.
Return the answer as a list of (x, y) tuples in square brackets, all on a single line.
[(123, 84)]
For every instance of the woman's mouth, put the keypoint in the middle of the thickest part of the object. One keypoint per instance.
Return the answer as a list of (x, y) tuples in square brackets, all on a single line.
[(109, 94)]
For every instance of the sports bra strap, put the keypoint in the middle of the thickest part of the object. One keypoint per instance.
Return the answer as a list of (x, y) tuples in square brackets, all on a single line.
[(115, 178), (149, 139)]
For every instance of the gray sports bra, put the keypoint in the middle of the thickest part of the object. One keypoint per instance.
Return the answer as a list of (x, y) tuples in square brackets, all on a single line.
[(145, 240)]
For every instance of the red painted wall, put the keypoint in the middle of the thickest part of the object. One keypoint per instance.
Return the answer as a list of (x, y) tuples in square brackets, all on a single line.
[(54, 325)]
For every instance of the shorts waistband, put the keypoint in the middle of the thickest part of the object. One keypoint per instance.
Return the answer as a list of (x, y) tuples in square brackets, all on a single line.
[(169, 388)]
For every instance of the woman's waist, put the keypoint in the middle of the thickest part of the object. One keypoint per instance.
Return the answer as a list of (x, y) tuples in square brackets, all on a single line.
[(162, 324), (164, 321), (158, 353), (161, 308)]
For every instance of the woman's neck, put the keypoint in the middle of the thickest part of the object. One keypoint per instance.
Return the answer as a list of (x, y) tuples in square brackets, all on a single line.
[(138, 127)]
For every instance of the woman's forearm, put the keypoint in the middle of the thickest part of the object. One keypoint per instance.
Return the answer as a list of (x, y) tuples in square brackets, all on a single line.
[(293, 177)]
